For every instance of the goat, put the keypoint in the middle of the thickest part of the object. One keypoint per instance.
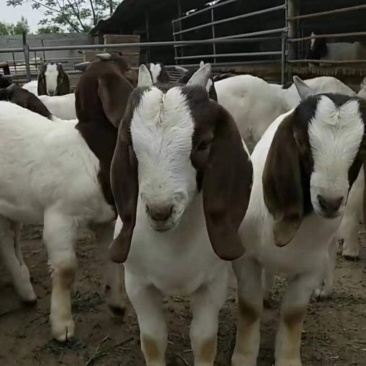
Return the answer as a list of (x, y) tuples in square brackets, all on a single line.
[(338, 51), (53, 80), (68, 167), (173, 144), (28, 100), (304, 166)]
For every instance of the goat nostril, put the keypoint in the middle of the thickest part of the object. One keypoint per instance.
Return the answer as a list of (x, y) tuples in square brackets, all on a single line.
[(330, 204), (159, 213)]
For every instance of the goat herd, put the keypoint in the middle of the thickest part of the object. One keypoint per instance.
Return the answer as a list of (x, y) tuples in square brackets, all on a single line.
[(183, 183)]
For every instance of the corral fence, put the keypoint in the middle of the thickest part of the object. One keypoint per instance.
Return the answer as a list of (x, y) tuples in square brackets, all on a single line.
[(273, 46)]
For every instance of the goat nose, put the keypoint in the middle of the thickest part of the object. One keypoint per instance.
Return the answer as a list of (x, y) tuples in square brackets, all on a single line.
[(159, 212), (330, 205)]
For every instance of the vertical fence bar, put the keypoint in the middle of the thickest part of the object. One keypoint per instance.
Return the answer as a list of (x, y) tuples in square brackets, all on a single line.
[(213, 33), (26, 57), (283, 58)]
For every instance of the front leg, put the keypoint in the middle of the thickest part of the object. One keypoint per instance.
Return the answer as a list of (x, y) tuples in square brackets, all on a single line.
[(250, 299), (294, 307), (60, 235), (147, 303), (206, 303)]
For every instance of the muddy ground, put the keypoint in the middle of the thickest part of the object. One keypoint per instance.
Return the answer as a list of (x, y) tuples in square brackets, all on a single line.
[(334, 333)]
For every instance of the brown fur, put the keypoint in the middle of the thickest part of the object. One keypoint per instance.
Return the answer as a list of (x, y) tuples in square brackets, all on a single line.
[(63, 82), (100, 99), (224, 172), (24, 98)]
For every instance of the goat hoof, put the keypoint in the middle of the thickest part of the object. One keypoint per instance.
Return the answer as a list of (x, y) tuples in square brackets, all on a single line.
[(117, 310), (30, 302), (351, 258), (321, 294), (63, 331)]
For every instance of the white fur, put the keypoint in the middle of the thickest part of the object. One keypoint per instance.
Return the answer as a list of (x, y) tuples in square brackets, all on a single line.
[(306, 260), (181, 261), (61, 106), (49, 176), (32, 86), (51, 75), (155, 70)]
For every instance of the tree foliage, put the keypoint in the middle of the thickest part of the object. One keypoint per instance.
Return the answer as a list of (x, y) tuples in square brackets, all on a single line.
[(69, 15), (20, 27)]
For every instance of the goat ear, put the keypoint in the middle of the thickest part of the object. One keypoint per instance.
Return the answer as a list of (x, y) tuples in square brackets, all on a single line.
[(41, 84), (181, 69), (226, 187), (282, 187), (114, 92), (124, 185), (302, 88), (104, 56), (144, 78), (11, 87), (202, 64), (201, 76)]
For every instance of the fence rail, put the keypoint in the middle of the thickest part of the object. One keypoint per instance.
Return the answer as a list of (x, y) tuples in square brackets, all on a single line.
[(286, 35)]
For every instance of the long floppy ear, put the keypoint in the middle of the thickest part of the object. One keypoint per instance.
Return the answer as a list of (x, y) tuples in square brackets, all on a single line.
[(63, 83), (114, 92), (124, 185), (226, 186), (41, 81), (302, 88), (282, 188)]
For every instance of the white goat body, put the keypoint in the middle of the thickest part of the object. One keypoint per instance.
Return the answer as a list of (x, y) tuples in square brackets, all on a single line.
[(309, 256), (31, 86), (54, 181), (343, 51), (61, 106), (252, 102)]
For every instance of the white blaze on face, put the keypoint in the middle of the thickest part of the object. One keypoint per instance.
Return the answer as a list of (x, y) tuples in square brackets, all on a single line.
[(161, 132), (155, 70), (51, 75), (335, 135), (312, 41)]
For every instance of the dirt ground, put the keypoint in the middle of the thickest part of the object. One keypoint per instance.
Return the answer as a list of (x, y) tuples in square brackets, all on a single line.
[(334, 333)]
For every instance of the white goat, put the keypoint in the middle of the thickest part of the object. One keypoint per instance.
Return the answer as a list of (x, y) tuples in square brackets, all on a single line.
[(302, 166), (61, 106), (61, 177), (183, 143), (335, 51)]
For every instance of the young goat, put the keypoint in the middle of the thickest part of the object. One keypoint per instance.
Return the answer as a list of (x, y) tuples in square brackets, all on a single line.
[(53, 80), (179, 162), (304, 166), (61, 178)]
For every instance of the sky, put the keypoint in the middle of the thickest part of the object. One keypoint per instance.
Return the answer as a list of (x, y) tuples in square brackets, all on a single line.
[(9, 14)]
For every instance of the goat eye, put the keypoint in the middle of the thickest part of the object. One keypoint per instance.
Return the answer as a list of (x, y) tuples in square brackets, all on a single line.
[(204, 145)]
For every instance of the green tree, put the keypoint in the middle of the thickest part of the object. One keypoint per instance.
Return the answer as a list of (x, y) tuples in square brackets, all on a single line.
[(21, 26), (70, 15), (49, 29)]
